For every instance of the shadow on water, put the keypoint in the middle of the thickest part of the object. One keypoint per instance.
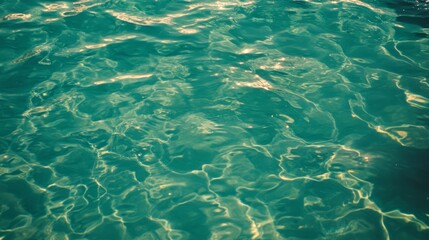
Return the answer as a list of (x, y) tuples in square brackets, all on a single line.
[(399, 175), (402, 182), (411, 11)]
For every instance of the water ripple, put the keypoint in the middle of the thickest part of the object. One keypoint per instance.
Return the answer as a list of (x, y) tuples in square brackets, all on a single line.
[(213, 120)]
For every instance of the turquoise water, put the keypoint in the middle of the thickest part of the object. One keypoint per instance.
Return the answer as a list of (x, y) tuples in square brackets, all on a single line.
[(130, 119)]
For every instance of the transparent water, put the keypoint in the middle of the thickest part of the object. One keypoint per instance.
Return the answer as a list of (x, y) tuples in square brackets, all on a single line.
[(214, 119)]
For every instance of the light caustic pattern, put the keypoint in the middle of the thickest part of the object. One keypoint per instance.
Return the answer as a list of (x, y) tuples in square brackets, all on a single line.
[(209, 119)]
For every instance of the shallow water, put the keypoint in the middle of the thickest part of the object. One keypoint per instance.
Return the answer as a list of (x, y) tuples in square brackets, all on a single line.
[(214, 119)]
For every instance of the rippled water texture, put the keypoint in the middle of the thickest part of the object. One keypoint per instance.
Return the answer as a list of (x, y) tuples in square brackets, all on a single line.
[(131, 119)]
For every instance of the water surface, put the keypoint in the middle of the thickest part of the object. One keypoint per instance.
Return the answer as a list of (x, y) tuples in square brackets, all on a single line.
[(214, 119)]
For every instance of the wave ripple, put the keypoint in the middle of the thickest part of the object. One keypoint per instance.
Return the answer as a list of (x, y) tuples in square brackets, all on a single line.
[(214, 120)]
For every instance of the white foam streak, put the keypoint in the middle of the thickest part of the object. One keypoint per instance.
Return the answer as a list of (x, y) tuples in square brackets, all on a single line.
[(142, 20), (123, 77), (258, 83)]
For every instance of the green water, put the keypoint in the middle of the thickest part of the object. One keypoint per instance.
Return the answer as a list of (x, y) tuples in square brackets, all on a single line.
[(129, 119)]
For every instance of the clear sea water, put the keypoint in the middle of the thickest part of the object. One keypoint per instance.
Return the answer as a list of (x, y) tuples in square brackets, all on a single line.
[(263, 119)]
